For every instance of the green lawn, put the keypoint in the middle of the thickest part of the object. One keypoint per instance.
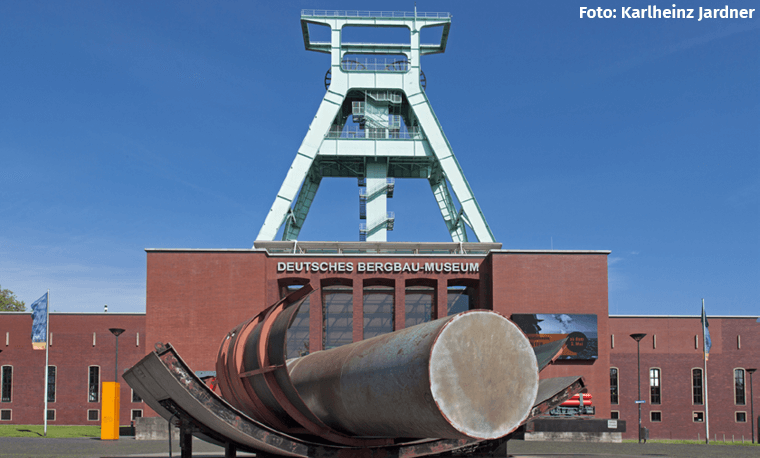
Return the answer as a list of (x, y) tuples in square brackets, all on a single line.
[(747, 441), (52, 431)]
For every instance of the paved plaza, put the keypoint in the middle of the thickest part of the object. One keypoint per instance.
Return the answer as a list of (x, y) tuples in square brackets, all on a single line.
[(128, 447)]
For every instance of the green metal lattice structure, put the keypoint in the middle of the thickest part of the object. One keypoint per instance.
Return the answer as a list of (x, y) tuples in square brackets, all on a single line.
[(375, 123)]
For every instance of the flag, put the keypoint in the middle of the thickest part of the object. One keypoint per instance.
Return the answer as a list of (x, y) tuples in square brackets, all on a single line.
[(40, 323), (706, 333)]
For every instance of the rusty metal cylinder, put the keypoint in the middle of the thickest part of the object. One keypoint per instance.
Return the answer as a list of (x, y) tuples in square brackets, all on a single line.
[(471, 375)]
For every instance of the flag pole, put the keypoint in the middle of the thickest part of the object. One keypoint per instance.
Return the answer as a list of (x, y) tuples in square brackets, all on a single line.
[(704, 359), (47, 350)]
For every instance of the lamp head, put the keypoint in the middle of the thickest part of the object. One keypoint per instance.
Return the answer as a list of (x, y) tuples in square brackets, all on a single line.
[(116, 331), (638, 337), (751, 370)]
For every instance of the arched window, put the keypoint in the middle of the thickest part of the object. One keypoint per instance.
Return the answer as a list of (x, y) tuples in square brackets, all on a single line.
[(419, 302), (378, 310), (337, 315), (462, 296), (297, 337)]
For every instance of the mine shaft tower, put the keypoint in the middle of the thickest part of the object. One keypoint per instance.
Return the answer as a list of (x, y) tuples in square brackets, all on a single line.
[(375, 124)]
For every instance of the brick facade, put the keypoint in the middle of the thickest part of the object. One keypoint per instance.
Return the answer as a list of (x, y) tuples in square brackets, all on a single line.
[(72, 352), (194, 297), (674, 345)]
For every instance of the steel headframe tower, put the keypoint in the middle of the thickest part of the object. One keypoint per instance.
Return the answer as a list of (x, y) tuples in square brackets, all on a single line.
[(375, 124)]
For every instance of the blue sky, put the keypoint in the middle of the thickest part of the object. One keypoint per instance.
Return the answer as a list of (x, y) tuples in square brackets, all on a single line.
[(128, 125)]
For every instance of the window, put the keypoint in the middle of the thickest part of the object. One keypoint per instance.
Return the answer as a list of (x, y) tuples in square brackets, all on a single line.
[(698, 417), (136, 413), (93, 387), (51, 384), (297, 340), (459, 299), (654, 386), (740, 398), (51, 415), (418, 303), (614, 415), (741, 417), (5, 415), (136, 397), (696, 386), (7, 384), (93, 415), (378, 310), (655, 416), (614, 386), (337, 304)]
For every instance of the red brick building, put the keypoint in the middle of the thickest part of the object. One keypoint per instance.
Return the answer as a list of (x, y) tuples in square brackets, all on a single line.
[(81, 355), (194, 297), (672, 375)]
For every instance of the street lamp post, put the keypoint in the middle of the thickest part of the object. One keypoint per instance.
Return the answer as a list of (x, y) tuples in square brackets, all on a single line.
[(117, 332), (637, 338), (110, 404), (752, 402)]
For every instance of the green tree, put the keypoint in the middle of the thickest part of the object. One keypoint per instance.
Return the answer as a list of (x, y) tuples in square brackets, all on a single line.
[(9, 303)]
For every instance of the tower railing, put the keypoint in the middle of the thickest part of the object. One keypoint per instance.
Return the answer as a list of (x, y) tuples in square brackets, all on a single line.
[(355, 133), (375, 65), (368, 14)]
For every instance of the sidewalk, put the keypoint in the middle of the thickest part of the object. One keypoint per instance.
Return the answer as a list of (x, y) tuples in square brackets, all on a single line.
[(128, 447)]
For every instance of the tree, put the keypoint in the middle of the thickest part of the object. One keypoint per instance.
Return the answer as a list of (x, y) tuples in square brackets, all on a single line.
[(9, 303)]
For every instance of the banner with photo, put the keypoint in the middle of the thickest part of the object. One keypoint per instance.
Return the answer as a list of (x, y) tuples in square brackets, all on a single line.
[(40, 323), (544, 328)]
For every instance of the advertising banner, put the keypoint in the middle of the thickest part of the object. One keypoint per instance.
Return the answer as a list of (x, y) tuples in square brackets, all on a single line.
[(581, 331)]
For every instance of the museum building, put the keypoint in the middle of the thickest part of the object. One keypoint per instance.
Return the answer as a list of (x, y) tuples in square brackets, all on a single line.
[(376, 124), (195, 297)]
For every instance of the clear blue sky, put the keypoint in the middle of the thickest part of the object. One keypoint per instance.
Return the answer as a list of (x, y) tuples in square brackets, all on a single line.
[(127, 125)]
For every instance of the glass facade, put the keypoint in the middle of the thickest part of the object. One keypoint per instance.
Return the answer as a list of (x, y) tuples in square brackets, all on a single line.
[(297, 343), (419, 304), (378, 310), (337, 324), (459, 299)]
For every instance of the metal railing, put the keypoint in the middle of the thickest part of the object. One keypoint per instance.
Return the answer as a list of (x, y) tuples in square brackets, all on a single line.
[(415, 133), (374, 65), (373, 14)]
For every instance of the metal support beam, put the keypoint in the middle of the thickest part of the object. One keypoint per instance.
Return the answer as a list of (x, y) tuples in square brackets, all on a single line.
[(297, 216), (450, 166), (185, 440), (446, 205)]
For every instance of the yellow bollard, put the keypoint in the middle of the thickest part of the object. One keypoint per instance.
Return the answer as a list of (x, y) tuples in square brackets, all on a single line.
[(109, 420)]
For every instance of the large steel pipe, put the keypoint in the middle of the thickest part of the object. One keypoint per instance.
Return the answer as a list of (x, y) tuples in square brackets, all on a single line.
[(469, 375)]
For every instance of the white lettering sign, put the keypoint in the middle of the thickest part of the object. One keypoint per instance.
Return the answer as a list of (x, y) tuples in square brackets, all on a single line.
[(378, 267)]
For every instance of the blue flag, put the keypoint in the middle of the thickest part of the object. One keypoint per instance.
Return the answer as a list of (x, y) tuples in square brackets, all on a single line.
[(706, 333), (40, 323)]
